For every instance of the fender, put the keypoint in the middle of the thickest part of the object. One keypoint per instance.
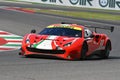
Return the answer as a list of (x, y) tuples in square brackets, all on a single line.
[(107, 40)]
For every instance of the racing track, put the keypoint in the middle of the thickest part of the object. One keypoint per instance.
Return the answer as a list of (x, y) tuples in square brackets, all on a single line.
[(15, 67)]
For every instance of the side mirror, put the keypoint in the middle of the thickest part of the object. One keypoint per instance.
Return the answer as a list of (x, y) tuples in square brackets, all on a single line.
[(33, 31)]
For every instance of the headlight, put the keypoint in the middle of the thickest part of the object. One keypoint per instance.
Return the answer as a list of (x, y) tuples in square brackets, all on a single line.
[(68, 44), (27, 41)]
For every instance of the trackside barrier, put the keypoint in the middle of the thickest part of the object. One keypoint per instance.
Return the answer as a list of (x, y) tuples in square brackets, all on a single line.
[(99, 4)]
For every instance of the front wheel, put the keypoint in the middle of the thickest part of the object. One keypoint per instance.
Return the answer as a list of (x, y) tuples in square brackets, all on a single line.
[(84, 51)]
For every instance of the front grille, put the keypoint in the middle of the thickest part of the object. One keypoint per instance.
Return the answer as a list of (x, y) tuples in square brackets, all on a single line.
[(46, 51)]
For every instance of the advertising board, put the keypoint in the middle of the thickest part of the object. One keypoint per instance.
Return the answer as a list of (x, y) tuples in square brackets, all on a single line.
[(100, 4)]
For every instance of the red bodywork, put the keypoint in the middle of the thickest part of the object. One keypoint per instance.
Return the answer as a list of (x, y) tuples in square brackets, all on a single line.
[(58, 46)]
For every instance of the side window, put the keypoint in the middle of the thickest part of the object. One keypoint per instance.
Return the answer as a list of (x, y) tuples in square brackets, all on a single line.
[(87, 33)]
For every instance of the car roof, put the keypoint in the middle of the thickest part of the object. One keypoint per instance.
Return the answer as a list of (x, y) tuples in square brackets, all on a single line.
[(71, 26)]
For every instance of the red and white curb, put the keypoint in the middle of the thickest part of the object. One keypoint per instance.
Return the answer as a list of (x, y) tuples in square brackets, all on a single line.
[(9, 41), (17, 9)]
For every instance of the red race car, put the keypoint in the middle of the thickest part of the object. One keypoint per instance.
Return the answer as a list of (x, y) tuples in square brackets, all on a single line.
[(67, 41)]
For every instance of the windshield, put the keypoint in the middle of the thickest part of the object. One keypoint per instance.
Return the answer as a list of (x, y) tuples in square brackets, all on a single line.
[(61, 32)]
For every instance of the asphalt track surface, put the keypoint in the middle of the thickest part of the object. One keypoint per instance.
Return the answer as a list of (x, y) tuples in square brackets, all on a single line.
[(42, 6), (15, 67)]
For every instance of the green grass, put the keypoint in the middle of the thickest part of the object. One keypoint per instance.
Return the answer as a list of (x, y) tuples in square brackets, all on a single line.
[(86, 15)]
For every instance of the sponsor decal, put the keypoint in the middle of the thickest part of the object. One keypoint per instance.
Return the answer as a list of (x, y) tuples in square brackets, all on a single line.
[(44, 0), (52, 1), (81, 2), (9, 41), (103, 3), (64, 26), (109, 3)]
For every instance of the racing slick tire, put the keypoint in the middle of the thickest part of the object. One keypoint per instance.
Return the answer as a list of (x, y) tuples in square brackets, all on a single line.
[(84, 51), (106, 52)]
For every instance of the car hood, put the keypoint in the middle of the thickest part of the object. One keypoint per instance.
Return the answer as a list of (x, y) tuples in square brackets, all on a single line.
[(52, 42)]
